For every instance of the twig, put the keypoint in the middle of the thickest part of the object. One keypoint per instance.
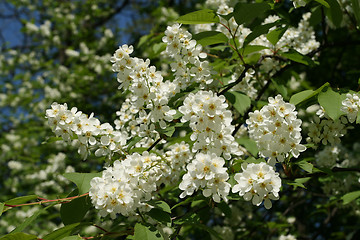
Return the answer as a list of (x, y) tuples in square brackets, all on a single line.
[(319, 174), (240, 78), (60, 200), (102, 229), (176, 233), (154, 144)]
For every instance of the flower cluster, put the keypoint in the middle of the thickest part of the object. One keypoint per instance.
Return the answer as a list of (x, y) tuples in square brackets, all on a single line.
[(276, 130), (186, 54), (338, 156), (206, 171), (127, 186), (327, 157), (136, 123), (258, 182), (88, 130), (177, 156), (302, 38), (350, 106), (210, 123), (325, 130), (145, 84), (289, 236)]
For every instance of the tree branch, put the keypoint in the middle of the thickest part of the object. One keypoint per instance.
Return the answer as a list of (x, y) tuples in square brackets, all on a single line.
[(60, 200), (240, 78), (319, 174)]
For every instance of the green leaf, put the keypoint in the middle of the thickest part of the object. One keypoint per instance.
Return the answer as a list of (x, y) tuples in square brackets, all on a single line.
[(82, 180), (29, 220), (255, 160), (349, 197), (72, 238), (325, 170), (177, 115), (168, 131), (252, 58), (186, 201), (301, 96), (74, 211), (323, 2), (52, 139), (159, 47), (316, 16), (138, 150), (356, 7), (144, 39), (224, 207), (210, 37), (198, 203), (308, 167), (295, 56), (63, 232), (18, 236), (259, 30), (252, 48), (20, 200), (299, 182), (305, 95), (334, 13), (199, 17), (302, 180), (279, 87), (133, 141), (331, 102), (142, 232), (160, 205), (1, 208), (159, 215), (227, 17), (189, 218), (236, 167), (241, 102), (275, 35), (249, 144), (247, 12), (358, 118)]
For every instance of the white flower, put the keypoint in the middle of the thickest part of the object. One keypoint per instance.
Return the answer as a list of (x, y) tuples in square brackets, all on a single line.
[(328, 156), (89, 131), (186, 55), (276, 130), (15, 165), (211, 124), (206, 171), (287, 237), (72, 53), (125, 187), (327, 130), (351, 106), (258, 182)]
